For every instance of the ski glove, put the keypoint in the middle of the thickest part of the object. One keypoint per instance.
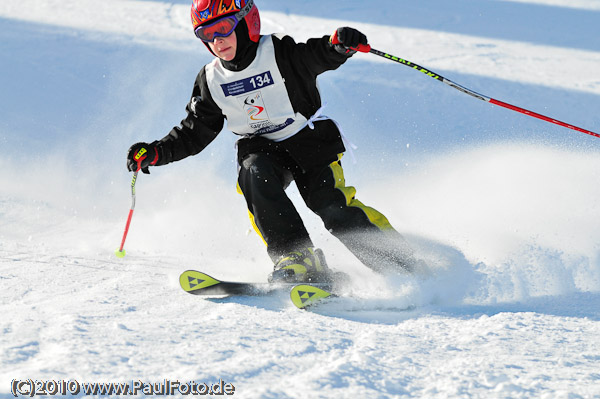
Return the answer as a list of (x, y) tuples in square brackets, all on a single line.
[(345, 40), (140, 156)]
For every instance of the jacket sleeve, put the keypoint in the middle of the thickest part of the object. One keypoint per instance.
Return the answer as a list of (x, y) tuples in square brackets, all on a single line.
[(204, 121), (300, 64)]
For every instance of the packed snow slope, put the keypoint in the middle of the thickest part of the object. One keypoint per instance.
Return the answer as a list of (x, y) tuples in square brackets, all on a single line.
[(502, 209)]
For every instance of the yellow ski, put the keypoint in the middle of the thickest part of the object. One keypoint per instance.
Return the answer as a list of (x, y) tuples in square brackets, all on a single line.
[(192, 281), (198, 283), (306, 295)]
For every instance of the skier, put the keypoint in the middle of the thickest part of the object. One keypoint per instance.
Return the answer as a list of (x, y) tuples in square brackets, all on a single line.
[(265, 86)]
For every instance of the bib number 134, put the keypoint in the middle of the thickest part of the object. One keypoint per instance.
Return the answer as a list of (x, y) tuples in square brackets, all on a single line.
[(261, 80)]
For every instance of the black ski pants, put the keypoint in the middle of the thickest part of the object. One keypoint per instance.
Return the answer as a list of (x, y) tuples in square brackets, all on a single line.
[(263, 178)]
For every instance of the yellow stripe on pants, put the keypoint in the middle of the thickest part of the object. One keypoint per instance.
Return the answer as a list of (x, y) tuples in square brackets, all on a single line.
[(374, 216), (251, 216)]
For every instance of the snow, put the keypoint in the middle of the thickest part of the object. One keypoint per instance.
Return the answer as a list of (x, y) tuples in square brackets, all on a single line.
[(502, 208)]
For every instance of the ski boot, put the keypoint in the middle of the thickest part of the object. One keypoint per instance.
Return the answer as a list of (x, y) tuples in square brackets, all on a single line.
[(303, 266)]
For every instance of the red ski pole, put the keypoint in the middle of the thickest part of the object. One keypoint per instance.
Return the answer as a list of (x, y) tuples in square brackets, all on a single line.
[(367, 49), (120, 252)]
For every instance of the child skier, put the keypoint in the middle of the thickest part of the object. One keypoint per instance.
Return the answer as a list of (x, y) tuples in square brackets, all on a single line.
[(265, 86)]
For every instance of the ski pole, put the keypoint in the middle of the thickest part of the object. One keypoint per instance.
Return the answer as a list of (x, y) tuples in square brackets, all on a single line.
[(120, 252), (367, 49)]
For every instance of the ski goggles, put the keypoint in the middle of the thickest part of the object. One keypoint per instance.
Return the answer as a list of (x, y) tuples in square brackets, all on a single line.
[(224, 26)]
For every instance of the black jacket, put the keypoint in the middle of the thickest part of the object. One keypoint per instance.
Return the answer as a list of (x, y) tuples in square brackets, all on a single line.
[(299, 64)]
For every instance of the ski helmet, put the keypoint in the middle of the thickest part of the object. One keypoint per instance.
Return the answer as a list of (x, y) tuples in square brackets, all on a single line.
[(207, 12)]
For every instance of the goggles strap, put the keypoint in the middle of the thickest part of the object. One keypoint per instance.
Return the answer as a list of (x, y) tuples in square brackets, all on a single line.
[(244, 11)]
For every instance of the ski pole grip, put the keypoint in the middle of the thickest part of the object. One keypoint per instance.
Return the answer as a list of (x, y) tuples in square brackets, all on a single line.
[(363, 48)]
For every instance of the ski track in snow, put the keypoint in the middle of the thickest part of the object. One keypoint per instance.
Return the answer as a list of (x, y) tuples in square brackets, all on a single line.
[(502, 209)]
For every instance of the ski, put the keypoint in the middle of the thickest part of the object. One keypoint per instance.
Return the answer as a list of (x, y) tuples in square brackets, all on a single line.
[(309, 296), (198, 283), (306, 295)]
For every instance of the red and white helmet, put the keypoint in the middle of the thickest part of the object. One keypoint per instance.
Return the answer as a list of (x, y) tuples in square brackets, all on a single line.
[(212, 18)]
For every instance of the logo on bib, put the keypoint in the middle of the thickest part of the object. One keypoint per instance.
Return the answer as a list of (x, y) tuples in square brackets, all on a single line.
[(255, 109)]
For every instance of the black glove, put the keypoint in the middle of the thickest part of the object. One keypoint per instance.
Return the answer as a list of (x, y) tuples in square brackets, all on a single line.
[(345, 39), (142, 155)]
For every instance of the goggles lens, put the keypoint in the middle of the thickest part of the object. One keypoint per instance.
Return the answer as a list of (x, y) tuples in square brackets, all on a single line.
[(222, 28)]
